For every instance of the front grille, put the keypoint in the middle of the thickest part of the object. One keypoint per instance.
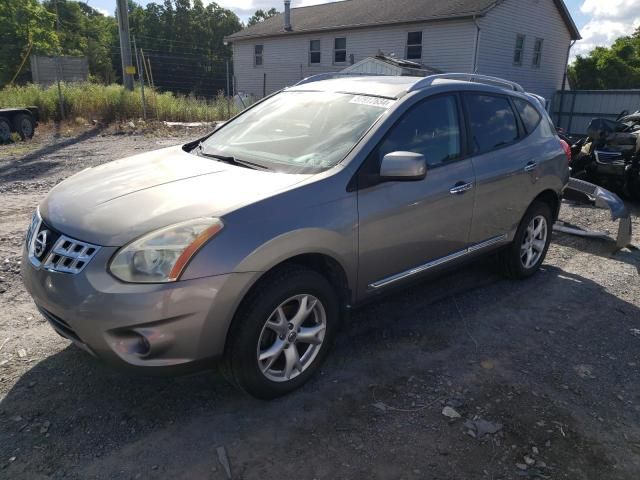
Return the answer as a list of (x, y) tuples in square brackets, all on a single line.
[(69, 255), (33, 226), (53, 251)]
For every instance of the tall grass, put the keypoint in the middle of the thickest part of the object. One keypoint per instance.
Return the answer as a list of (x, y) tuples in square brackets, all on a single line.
[(113, 102)]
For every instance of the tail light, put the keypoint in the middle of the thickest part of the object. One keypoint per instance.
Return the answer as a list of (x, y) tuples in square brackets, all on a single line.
[(567, 150)]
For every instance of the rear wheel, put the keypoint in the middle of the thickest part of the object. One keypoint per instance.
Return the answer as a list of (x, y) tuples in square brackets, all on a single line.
[(283, 333), (5, 130), (24, 125), (523, 257)]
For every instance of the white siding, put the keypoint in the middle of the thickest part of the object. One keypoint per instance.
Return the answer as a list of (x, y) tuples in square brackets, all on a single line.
[(535, 19), (446, 46)]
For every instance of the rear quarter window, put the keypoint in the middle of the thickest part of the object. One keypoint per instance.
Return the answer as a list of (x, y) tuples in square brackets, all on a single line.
[(492, 122), (528, 114)]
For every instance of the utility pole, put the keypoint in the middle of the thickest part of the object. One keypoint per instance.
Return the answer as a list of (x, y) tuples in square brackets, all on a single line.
[(125, 45)]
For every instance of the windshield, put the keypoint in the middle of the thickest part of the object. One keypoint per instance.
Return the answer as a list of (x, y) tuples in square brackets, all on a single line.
[(298, 132)]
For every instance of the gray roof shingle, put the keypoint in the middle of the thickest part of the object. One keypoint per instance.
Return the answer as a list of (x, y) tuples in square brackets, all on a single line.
[(362, 13)]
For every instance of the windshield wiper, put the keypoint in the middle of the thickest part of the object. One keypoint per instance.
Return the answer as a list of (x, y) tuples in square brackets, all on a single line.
[(230, 160)]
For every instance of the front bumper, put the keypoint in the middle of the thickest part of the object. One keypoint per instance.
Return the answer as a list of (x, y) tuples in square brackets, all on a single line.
[(579, 191), (138, 326)]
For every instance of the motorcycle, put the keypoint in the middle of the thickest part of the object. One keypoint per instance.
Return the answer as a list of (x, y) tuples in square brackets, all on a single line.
[(610, 154)]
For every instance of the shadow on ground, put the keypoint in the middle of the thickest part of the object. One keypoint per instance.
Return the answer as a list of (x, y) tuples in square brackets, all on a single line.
[(24, 167), (511, 350)]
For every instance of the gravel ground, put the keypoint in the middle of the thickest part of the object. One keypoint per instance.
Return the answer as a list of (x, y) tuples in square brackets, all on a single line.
[(542, 373)]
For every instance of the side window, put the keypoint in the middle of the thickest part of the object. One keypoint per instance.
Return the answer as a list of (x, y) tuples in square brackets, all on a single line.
[(339, 50), (430, 128), (314, 51), (537, 53), (518, 54), (257, 55), (492, 122), (528, 114), (414, 45)]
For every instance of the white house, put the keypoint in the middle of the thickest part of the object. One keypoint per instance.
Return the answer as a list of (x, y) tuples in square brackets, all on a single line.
[(527, 41)]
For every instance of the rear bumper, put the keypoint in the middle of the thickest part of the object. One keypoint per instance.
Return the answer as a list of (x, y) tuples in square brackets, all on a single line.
[(156, 328)]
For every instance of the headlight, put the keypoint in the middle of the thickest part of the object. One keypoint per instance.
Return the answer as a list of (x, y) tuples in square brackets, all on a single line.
[(162, 255)]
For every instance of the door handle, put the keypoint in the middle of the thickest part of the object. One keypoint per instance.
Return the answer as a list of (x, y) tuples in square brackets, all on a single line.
[(460, 187), (530, 167)]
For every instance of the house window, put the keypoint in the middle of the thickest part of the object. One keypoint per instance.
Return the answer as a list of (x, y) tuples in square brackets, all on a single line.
[(519, 52), (537, 53), (414, 45), (257, 54), (314, 51), (340, 50)]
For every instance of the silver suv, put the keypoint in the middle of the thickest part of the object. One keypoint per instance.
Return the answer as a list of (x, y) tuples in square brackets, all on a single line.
[(250, 244)]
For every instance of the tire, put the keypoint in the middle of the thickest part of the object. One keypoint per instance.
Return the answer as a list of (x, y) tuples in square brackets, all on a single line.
[(24, 125), (5, 130), (267, 324), (514, 260)]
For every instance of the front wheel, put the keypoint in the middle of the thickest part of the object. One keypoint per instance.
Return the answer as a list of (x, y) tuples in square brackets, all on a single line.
[(282, 333), (523, 257)]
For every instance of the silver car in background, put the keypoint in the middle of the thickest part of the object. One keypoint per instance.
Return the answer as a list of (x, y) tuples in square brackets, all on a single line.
[(249, 245)]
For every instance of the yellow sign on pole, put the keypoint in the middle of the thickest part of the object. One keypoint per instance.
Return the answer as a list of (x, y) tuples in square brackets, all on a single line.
[(131, 70)]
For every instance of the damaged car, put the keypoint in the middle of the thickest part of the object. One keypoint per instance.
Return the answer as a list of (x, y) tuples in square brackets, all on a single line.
[(609, 155), (248, 247)]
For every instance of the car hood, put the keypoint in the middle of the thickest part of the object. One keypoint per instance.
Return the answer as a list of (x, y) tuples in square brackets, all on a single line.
[(114, 203)]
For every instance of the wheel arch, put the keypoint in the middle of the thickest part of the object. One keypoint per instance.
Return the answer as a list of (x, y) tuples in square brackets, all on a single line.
[(322, 263), (552, 199)]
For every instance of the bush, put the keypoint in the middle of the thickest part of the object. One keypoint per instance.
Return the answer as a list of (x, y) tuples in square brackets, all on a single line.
[(113, 102)]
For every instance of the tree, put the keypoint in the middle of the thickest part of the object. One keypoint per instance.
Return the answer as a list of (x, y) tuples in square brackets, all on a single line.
[(86, 32), (26, 27), (261, 16), (184, 39), (615, 67)]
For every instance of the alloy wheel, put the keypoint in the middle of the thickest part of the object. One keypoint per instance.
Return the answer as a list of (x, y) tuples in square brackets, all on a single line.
[(534, 242), (291, 338)]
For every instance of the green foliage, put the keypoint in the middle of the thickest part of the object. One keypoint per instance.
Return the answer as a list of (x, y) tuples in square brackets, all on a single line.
[(68, 27), (84, 31), (114, 102), (25, 26), (261, 16), (181, 26), (616, 67)]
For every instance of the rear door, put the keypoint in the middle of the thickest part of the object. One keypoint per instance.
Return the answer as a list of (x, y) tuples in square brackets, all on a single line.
[(505, 168), (405, 225)]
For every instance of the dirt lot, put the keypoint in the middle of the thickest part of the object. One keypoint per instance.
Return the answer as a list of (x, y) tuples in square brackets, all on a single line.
[(550, 365)]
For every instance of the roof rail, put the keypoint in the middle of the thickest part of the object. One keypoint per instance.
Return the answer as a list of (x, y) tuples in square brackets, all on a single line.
[(469, 77), (331, 75)]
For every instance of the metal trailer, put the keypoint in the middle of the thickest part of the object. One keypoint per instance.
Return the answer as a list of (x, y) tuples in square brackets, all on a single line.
[(22, 121)]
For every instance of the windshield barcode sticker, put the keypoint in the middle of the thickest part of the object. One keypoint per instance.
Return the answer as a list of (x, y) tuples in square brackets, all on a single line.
[(372, 101)]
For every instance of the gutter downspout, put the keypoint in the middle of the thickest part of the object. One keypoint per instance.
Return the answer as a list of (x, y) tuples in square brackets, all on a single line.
[(564, 85), (476, 46), (566, 69)]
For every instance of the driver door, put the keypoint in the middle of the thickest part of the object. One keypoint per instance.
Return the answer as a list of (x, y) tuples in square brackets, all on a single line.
[(407, 227)]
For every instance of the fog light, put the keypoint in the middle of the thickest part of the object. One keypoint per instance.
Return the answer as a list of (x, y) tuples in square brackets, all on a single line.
[(144, 347)]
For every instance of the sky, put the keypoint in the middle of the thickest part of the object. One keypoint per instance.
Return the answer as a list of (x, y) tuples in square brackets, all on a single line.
[(600, 21)]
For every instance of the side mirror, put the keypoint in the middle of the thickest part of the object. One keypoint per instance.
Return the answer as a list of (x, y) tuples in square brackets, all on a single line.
[(403, 166)]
